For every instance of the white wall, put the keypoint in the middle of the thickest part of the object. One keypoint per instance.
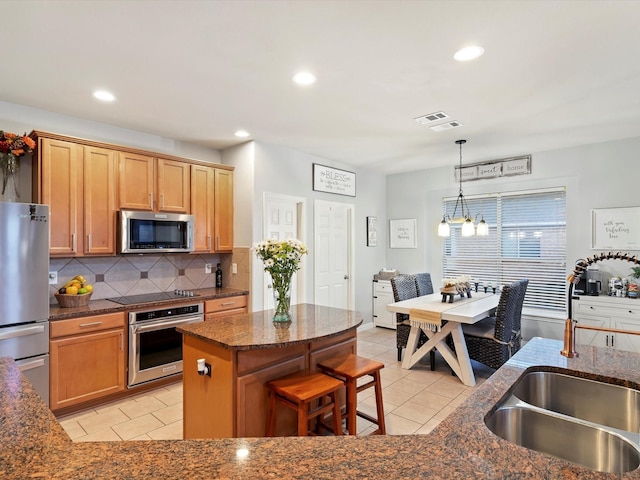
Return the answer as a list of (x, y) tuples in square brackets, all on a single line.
[(596, 176), (288, 172)]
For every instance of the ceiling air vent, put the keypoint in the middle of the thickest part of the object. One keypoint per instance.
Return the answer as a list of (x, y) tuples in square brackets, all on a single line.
[(446, 126), (431, 117)]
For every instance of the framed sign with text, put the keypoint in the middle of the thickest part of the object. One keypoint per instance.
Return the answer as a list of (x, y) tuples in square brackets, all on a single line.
[(615, 228), (333, 180), (402, 233), (372, 231)]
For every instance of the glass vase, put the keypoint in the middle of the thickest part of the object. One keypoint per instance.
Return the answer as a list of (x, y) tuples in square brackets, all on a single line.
[(281, 298), (9, 168)]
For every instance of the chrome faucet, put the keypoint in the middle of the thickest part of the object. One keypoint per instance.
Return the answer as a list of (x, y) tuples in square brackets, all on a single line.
[(570, 326)]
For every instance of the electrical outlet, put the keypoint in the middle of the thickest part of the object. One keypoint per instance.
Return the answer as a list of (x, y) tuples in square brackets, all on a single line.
[(207, 268), (234, 268), (53, 278)]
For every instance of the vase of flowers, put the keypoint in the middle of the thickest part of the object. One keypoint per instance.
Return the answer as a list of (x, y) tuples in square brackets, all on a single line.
[(12, 147), (281, 259)]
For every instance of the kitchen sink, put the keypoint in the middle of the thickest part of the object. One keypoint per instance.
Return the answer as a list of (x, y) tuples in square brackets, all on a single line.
[(576, 442), (592, 423), (602, 403)]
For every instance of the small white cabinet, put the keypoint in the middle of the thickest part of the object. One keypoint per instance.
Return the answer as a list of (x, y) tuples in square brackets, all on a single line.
[(383, 296), (608, 312)]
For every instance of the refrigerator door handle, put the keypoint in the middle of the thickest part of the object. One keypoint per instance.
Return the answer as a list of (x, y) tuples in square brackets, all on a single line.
[(8, 333)]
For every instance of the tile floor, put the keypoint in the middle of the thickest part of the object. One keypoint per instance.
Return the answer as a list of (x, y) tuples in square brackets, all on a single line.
[(415, 400)]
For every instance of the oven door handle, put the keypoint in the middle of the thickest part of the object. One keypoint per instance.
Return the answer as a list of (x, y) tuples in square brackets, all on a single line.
[(163, 325)]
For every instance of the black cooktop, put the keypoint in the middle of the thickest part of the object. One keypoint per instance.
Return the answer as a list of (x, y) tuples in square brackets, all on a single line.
[(153, 297)]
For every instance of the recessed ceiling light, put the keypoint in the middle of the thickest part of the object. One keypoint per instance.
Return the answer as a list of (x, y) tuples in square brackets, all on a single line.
[(104, 95), (304, 78), (468, 53), (241, 133)]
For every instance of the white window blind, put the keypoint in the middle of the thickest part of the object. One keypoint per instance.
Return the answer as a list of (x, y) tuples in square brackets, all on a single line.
[(527, 239)]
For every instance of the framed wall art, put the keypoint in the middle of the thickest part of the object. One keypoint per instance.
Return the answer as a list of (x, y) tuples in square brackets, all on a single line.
[(402, 233), (333, 180), (615, 228), (372, 231)]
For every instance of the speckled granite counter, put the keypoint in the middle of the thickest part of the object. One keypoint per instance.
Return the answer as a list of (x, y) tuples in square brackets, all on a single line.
[(257, 330), (461, 447), (98, 307)]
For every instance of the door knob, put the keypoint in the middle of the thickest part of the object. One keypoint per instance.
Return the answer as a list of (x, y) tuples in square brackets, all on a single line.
[(346, 277)]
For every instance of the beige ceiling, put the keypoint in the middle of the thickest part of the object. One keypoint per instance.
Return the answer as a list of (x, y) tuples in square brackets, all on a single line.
[(555, 73)]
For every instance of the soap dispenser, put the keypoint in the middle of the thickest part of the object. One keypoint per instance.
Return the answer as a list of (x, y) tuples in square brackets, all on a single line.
[(218, 277)]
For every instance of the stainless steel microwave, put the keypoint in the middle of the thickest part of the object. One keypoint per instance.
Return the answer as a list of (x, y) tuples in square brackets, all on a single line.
[(149, 232)]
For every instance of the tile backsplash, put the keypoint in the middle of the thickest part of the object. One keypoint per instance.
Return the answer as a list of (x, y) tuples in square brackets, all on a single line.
[(137, 274)]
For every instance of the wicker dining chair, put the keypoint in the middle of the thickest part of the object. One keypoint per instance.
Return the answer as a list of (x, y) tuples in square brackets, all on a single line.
[(494, 340), (423, 283), (405, 287)]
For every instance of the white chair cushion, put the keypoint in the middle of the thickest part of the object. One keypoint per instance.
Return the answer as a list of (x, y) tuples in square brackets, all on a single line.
[(485, 328)]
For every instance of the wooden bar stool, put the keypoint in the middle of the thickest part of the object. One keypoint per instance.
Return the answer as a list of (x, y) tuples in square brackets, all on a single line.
[(298, 391), (349, 368)]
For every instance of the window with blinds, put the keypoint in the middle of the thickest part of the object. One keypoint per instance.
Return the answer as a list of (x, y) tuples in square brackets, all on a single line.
[(527, 239)]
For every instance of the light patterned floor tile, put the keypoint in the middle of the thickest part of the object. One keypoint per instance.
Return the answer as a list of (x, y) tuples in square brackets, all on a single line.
[(172, 431), (169, 414), (138, 426), (106, 435), (415, 400)]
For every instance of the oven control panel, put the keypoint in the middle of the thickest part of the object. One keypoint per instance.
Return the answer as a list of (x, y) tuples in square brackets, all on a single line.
[(176, 311)]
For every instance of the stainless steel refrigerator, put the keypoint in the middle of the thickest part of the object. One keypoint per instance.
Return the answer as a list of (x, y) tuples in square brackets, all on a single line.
[(24, 290)]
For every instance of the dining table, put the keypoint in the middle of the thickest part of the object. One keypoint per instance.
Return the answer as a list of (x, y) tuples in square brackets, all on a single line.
[(437, 319)]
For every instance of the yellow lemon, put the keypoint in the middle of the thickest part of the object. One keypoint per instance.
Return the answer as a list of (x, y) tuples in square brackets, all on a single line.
[(72, 290), (89, 287)]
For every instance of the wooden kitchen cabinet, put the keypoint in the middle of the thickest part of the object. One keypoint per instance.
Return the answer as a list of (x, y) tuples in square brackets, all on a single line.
[(223, 210), (153, 184), (87, 359), (607, 312), (212, 207), (79, 185), (202, 202), (87, 182), (99, 207), (222, 307), (235, 398)]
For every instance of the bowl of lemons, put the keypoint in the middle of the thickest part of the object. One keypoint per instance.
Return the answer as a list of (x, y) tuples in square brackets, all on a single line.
[(75, 293)]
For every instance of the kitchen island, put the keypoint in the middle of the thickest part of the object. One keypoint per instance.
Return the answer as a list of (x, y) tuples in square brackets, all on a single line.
[(245, 352), (461, 447)]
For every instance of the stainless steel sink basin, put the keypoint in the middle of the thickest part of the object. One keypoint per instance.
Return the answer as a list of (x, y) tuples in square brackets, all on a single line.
[(602, 403), (594, 424), (576, 442)]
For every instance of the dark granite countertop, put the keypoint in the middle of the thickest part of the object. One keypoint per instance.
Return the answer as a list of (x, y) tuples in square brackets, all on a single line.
[(98, 307), (257, 330), (461, 447)]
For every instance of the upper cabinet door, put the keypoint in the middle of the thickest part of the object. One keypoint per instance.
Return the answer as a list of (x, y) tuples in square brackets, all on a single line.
[(202, 207), (136, 180), (61, 189), (223, 210), (173, 186), (99, 201)]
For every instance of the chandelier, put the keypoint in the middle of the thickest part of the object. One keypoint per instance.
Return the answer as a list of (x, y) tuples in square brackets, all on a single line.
[(468, 226)]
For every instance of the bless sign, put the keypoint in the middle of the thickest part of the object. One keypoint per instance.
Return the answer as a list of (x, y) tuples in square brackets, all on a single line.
[(333, 180)]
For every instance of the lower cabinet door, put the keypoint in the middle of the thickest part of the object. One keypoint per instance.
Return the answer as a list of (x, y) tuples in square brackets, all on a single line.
[(86, 367)]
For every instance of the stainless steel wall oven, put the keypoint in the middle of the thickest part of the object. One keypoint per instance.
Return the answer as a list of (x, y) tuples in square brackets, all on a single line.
[(155, 347)]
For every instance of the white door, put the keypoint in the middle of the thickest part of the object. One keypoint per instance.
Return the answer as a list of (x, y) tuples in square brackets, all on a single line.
[(282, 221), (333, 256)]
